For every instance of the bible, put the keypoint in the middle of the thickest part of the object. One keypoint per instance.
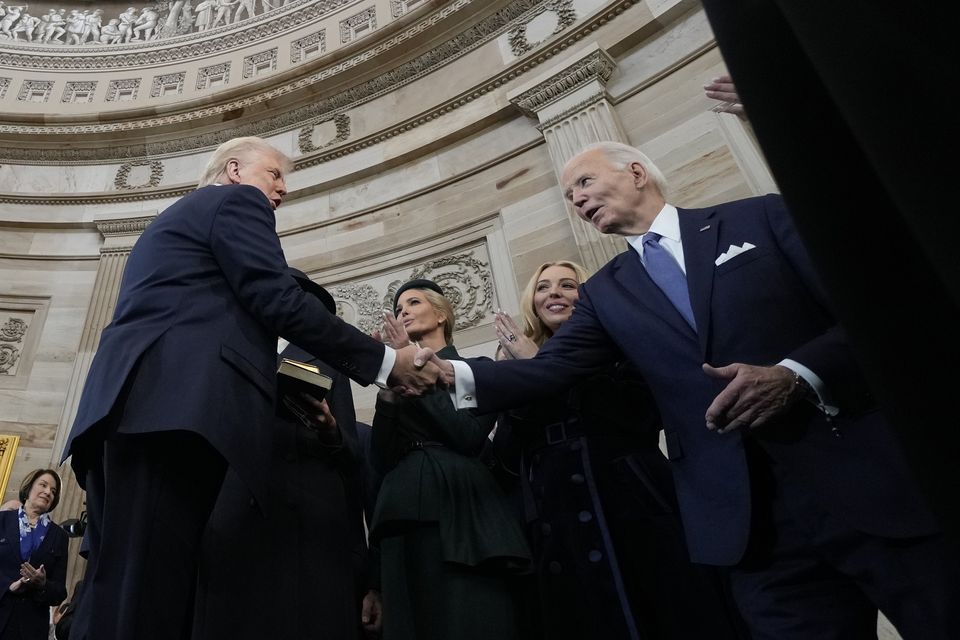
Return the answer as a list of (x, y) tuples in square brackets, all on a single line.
[(295, 377)]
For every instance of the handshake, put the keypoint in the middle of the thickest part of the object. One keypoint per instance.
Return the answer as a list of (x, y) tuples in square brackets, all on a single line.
[(418, 369)]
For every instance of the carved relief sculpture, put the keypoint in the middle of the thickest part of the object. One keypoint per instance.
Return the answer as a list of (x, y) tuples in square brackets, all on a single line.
[(11, 335)]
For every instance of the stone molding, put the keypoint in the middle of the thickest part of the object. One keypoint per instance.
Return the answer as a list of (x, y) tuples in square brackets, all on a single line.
[(150, 53), (465, 279), (123, 226), (461, 44), (596, 66)]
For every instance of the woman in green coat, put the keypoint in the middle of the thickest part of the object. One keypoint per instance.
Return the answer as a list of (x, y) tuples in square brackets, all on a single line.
[(450, 545)]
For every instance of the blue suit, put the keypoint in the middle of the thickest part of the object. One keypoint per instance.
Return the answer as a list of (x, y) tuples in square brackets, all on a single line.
[(758, 308), (183, 384)]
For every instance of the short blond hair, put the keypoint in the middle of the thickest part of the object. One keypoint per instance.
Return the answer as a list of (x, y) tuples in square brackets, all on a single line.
[(242, 149)]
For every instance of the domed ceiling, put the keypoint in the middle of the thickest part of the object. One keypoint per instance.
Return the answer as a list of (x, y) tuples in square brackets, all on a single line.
[(98, 82)]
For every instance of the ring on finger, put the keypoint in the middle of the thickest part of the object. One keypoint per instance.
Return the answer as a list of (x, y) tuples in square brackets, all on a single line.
[(512, 338)]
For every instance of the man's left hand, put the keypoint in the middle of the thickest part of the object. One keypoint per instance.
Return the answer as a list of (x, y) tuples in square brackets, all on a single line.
[(753, 396)]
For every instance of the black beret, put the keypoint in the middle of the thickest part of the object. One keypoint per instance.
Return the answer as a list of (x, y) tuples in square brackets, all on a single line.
[(418, 283), (310, 286)]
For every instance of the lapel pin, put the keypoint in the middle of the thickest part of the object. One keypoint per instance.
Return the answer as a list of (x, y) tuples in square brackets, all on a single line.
[(704, 228)]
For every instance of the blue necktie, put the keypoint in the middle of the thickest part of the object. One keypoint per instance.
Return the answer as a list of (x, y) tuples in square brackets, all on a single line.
[(667, 275)]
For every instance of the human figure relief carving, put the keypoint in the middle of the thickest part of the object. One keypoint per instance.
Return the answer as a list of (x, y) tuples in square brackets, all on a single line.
[(164, 19)]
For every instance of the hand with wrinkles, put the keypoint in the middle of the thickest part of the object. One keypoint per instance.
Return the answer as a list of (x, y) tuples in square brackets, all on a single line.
[(753, 396)]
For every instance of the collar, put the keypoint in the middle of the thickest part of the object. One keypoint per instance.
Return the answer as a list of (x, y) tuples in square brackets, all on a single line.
[(667, 224)]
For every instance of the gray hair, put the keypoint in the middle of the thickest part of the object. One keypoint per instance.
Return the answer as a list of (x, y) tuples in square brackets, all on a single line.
[(623, 154), (239, 149)]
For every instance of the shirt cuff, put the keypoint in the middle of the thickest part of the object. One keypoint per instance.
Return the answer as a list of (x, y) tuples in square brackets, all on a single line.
[(464, 392), (826, 404), (389, 359)]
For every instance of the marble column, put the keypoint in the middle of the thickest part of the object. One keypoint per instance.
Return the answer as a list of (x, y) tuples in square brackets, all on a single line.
[(573, 108), (119, 235)]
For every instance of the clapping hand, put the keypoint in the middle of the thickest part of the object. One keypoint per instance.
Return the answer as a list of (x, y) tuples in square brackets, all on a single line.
[(394, 333), (722, 88), (30, 577), (513, 343)]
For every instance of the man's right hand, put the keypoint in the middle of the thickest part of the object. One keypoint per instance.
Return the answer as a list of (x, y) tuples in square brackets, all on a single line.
[(415, 370), (447, 375)]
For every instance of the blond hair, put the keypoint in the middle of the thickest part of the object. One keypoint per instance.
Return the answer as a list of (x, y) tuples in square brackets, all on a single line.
[(533, 326), (242, 149), (442, 306)]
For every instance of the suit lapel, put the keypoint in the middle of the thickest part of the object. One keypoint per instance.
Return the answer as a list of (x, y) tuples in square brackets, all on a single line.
[(698, 233), (11, 529)]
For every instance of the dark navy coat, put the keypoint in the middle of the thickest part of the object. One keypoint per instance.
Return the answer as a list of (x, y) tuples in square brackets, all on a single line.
[(758, 308), (193, 339)]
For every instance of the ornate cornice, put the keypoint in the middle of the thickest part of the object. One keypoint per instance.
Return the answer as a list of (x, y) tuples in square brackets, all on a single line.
[(124, 226), (193, 45), (318, 111), (92, 198), (598, 65)]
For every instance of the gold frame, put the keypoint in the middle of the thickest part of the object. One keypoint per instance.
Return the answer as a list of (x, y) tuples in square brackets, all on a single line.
[(8, 452)]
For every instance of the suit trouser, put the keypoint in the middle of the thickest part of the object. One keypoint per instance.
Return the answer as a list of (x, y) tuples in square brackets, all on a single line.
[(807, 574), (149, 497)]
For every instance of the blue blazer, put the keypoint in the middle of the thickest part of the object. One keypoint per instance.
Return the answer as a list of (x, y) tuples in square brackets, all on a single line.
[(192, 344), (28, 609), (759, 307)]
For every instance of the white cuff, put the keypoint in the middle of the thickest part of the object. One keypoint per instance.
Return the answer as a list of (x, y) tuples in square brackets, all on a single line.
[(389, 359), (819, 388), (464, 392)]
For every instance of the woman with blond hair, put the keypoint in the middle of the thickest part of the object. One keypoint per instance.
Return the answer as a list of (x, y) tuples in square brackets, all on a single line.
[(598, 499), (449, 543)]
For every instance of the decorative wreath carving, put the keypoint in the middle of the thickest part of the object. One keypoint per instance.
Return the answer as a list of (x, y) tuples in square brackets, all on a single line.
[(156, 174), (566, 16)]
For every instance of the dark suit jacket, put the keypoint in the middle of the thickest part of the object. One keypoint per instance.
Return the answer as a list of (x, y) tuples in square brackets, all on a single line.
[(192, 344), (29, 609), (305, 559), (881, 230), (758, 308)]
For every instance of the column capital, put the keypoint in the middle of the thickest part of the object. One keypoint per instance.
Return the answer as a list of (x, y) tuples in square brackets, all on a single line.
[(575, 81), (120, 234)]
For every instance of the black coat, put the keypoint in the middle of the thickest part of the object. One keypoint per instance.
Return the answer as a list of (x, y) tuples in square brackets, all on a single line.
[(299, 571), (27, 608), (609, 552)]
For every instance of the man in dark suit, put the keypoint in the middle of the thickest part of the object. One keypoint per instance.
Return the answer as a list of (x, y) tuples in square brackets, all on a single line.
[(785, 471), (313, 518), (183, 385), (851, 104)]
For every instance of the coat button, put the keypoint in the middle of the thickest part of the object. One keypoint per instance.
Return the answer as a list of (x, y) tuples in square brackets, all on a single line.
[(545, 528), (595, 556), (577, 478), (585, 516), (555, 567)]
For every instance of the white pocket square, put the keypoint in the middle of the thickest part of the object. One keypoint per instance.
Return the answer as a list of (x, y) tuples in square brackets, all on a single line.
[(733, 252)]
